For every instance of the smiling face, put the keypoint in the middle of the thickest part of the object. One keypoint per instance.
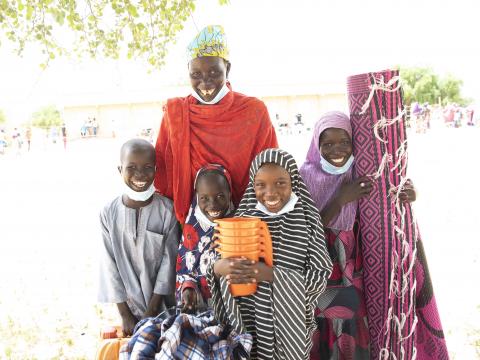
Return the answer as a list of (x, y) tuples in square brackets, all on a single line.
[(208, 74), (335, 146), (273, 187), (213, 194), (138, 167)]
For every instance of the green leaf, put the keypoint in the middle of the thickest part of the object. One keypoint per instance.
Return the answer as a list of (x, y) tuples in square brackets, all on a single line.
[(29, 12), (132, 10)]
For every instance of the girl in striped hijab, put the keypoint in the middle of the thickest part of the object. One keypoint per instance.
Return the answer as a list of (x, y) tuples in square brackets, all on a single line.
[(279, 315)]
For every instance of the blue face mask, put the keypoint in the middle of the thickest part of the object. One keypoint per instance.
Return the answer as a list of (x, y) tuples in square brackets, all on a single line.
[(336, 170)]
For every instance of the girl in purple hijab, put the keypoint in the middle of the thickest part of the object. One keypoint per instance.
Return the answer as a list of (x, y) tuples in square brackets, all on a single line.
[(328, 173)]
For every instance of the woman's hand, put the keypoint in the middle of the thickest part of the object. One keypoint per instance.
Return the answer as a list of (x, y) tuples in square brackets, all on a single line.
[(189, 300), (408, 193), (355, 190)]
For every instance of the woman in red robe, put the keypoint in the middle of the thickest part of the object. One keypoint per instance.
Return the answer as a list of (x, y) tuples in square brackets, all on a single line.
[(212, 125)]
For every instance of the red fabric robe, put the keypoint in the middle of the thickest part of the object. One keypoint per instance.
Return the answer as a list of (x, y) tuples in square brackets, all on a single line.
[(230, 133)]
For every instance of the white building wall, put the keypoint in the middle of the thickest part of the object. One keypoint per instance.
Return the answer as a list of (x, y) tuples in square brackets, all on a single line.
[(128, 119)]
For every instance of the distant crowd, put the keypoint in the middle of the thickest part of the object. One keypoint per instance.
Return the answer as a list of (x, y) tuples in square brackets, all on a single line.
[(421, 117), (19, 140)]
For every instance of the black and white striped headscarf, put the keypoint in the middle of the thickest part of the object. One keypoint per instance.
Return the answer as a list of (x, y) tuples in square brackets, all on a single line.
[(281, 314)]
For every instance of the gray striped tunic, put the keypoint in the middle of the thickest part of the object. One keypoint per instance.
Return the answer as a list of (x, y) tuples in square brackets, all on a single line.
[(280, 315)]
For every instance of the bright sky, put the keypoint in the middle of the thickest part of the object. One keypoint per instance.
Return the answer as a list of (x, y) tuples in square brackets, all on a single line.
[(272, 42)]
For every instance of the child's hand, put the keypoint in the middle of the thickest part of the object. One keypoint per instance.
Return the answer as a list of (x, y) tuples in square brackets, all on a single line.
[(189, 301), (237, 270), (355, 190), (128, 324), (263, 271), (408, 193)]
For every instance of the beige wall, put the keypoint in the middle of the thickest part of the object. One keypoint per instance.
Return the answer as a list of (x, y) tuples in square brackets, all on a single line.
[(126, 120), (310, 106)]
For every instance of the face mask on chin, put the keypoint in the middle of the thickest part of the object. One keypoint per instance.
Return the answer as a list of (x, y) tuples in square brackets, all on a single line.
[(138, 195), (221, 94), (336, 170)]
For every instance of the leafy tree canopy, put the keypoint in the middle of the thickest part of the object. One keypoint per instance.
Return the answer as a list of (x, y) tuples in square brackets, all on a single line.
[(110, 27), (422, 84), (47, 117)]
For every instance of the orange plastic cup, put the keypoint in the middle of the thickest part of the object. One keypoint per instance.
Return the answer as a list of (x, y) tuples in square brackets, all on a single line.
[(238, 223), (239, 232), (239, 240), (252, 255), (241, 289), (266, 242), (238, 247)]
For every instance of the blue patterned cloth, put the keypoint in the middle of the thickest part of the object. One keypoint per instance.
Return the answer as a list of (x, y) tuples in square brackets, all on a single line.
[(184, 336)]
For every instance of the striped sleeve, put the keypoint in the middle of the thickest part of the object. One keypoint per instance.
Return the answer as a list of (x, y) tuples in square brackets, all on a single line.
[(318, 265), (217, 301)]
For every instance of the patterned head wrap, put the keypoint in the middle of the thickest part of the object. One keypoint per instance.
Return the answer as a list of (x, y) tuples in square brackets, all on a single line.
[(322, 185), (211, 41)]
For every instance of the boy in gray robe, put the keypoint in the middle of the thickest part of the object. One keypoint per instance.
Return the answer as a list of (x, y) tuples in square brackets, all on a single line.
[(140, 241)]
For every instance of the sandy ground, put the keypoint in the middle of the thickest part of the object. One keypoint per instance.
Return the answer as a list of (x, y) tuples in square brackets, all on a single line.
[(49, 205)]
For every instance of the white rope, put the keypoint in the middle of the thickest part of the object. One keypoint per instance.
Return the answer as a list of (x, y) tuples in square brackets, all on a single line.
[(412, 263), (380, 85), (384, 354), (413, 291), (405, 249), (393, 284), (401, 154), (384, 122), (381, 168), (414, 353), (412, 330)]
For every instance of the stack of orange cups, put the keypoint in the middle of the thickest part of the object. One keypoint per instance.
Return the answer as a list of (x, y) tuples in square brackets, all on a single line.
[(247, 237)]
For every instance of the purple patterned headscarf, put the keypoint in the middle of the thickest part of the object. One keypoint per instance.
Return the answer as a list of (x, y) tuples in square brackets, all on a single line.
[(322, 185)]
